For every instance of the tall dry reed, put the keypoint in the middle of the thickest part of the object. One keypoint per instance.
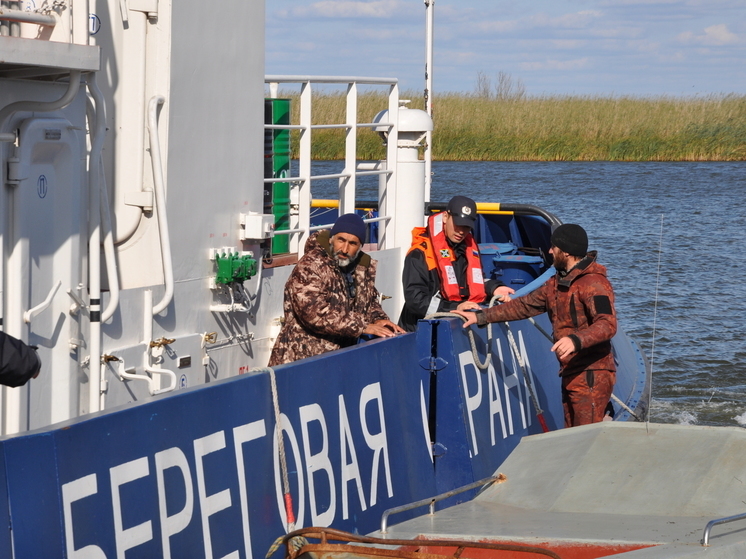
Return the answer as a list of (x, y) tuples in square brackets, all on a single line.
[(553, 128)]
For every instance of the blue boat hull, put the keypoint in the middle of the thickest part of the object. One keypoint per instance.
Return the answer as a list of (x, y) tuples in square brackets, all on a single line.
[(368, 428)]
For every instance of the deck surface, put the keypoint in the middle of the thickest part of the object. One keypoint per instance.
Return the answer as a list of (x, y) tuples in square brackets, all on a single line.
[(610, 483)]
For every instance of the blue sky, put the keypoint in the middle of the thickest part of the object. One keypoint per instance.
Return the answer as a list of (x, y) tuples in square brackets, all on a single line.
[(585, 47)]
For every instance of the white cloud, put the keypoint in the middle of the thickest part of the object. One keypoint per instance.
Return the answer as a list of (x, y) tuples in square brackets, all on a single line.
[(719, 35), (643, 2), (647, 46), (494, 26), (576, 64), (540, 22), (674, 58), (569, 44), (349, 9), (668, 46), (566, 21), (714, 35), (617, 32)]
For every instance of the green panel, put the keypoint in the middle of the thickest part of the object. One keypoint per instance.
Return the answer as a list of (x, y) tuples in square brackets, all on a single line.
[(281, 168)]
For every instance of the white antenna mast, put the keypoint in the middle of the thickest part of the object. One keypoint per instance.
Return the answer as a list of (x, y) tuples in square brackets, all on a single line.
[(429, 21)]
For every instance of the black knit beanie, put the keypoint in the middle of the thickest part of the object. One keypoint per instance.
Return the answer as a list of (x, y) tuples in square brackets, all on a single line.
[(352, 224), (570, 238)]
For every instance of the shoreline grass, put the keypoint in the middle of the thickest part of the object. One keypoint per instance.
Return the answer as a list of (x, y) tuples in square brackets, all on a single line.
[(469, 127)]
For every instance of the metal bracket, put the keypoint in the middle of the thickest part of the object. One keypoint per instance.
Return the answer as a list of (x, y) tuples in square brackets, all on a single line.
[(433, 363)]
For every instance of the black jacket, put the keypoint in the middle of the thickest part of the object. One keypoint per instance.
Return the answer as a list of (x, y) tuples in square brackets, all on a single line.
[(18, 362)]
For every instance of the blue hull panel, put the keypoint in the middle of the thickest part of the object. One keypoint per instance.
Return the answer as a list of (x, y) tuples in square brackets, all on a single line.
[(197, 473)]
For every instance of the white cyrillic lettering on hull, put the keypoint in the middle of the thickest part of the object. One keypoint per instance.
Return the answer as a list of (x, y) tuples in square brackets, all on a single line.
[(377, 443), (348, 470), (318, 462)]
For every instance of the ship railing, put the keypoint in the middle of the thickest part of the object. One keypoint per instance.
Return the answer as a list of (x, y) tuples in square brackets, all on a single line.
[(300, 208), (430, 501), (712, 523), (45, 39), (328, 226), (9, 15), (46, 22)]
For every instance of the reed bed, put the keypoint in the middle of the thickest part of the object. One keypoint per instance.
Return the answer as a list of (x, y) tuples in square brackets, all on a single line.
[(469, 127)]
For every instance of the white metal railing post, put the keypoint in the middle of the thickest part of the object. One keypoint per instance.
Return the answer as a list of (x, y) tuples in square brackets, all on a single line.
[(429, 38), (159, 185), (80, 23), (347, 184), (304, 171), (387, 198)]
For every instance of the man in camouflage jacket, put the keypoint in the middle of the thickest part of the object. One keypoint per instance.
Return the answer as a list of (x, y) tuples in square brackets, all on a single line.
[(580, 304), (330, 297)]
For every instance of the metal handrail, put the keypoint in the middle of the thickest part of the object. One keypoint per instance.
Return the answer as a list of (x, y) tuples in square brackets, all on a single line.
[(299, 216), (330, 79), (20, 16), (432, 500), (332, 176), (712, 523), (327, 226)]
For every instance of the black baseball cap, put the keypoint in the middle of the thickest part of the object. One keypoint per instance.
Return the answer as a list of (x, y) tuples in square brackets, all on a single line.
[(463, 210)]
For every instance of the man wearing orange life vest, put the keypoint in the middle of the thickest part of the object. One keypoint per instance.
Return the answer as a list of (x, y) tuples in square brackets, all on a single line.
[(442, 270)]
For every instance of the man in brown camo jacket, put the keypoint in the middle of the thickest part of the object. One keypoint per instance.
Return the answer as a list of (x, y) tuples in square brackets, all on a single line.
[(330, 297), (580, 304)]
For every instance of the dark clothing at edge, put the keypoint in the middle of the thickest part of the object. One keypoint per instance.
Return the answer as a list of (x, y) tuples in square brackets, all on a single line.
[(18, 361)]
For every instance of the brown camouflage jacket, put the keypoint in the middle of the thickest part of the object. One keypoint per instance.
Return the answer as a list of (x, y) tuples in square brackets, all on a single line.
[(579, 305), (320, 315)]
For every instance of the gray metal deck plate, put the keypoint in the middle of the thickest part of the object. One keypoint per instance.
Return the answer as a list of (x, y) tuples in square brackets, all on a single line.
[(611, 482)]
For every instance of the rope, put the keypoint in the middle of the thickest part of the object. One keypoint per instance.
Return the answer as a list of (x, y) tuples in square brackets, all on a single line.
[(274, 547), (527, 379), (472, 339), (295, 542), (540, 329), (281, 449), (288, 498), (514, 348), (624, 406)]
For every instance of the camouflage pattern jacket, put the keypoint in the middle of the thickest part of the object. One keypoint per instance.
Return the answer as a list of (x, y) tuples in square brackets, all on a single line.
[(320, 315), (580, 305)]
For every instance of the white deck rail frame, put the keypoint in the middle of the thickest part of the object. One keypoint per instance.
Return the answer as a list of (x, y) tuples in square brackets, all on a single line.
[(301, 195)]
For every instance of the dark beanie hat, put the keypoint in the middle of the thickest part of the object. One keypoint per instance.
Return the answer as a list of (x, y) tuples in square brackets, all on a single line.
[(571, 238), (352, 224)]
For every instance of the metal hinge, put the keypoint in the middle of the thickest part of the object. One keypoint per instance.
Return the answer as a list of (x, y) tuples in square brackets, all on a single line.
[(17, 172)]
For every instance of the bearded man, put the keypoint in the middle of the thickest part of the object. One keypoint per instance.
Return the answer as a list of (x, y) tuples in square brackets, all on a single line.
[(580, 303), (330, 297)]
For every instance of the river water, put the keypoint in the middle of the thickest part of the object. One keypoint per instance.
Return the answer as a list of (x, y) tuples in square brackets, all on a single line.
[(672, 236)]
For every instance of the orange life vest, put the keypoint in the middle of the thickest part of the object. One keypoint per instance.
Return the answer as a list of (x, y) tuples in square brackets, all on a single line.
[(438, 254)]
